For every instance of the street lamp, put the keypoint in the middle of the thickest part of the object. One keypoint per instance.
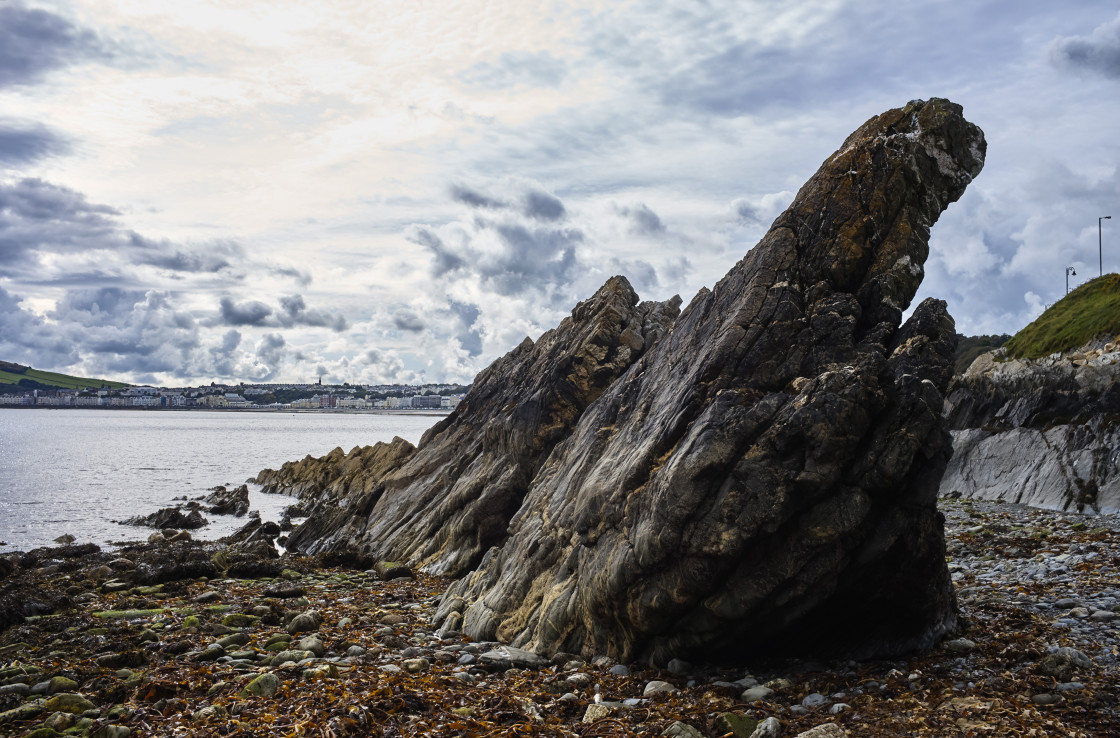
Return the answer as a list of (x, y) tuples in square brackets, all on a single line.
[(1100, 251), (1069, 271)]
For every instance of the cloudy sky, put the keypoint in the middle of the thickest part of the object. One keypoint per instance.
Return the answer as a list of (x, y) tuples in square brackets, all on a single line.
[(401, 191)]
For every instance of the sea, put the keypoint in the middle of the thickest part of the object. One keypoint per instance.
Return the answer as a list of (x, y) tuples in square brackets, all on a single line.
[(82, 471)]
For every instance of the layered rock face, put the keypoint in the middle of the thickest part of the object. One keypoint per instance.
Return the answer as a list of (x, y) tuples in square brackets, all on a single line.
[(1042, 432), (443, 504), (763, 476), (766, 476)]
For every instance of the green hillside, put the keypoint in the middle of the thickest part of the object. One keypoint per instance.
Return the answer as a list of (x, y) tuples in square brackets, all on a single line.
[(16, 377), (1090, 311)]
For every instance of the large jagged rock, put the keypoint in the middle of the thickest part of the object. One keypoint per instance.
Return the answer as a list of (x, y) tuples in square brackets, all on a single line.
[(765, 477), (1041, 432), (442, 504)]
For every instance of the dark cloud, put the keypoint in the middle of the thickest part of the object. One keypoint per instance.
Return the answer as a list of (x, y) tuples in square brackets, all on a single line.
[(121, 331), (745, 213), (407, 320), (446, 260), (208, 258), (531, 201), (24, 142), (294, 311), (223, 356), (475, 199), (543, 206), (642, 220), (270, 355), (39, 218), (34, 42), (302, 277), (1099, 52), (251, 312), (512, 68), (467, 334)]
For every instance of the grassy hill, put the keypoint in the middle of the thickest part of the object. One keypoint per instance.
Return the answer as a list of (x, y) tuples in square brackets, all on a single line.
[(1090, 311), (16, 377)]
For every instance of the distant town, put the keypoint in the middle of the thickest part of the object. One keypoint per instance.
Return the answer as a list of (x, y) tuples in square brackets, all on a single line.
[(255, 397)]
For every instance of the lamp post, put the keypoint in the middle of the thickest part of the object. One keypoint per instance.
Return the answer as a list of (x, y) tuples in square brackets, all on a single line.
[(1100, 251), (1069, 271)]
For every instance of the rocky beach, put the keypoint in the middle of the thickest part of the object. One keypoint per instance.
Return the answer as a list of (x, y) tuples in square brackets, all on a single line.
[(157, 640)]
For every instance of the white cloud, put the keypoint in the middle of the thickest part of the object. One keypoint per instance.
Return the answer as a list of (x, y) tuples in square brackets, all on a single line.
[(432, 183)]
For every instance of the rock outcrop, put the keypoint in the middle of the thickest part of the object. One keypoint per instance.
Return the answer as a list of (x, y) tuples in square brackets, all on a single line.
[(1042, 432), (762, 477), (443, 504), (766, 476)]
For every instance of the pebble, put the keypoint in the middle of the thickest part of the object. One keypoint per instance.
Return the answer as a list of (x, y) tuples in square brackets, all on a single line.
[(814, 700), (754, 694), (768, 728), (657, 686)]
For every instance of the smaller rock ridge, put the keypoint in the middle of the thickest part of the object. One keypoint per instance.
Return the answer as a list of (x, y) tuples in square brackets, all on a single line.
[(1038, 432), (443, 504)]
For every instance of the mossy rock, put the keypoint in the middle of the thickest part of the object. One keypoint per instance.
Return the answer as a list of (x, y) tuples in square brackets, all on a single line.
[(239, 620)]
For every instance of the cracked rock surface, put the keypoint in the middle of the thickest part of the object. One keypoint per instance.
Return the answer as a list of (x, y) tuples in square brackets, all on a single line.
[(765, 477)]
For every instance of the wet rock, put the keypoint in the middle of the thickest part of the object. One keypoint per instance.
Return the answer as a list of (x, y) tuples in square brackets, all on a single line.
[(387, 570), (68, 702), (735, 725), (754, 694), (1063, 663), (224, 501), (264, 685), (678, 729), (960, 645), (312, 644), (768, 728), (657, 686), (828, 730), (304, 622), (507, 657), (170, 517), (598, 711)]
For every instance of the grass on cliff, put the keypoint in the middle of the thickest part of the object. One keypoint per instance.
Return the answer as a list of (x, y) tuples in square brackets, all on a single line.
[(18, 378), (1088, 312)]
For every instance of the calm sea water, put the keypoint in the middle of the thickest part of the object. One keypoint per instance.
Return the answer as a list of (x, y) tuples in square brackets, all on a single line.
[(78, 471)]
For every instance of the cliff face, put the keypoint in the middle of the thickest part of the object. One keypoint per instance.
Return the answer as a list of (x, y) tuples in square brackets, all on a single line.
[(761, 476), (1043, 432), (443, 504)]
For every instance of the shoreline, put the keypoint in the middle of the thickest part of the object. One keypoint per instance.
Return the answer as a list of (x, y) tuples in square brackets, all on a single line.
[(1039, 597)]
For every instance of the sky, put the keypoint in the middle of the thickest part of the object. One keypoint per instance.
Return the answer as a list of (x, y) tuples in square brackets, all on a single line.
[(381, 192)]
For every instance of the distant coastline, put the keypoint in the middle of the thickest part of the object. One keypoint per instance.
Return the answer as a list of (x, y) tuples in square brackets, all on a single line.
[(420, 412)]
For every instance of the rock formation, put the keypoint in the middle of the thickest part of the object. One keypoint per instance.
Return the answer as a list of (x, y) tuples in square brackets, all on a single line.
[(1040, 432), (762, 477), (441, 506)]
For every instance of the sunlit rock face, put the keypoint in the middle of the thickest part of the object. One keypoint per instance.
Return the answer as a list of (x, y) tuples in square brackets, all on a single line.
[(758, 474)]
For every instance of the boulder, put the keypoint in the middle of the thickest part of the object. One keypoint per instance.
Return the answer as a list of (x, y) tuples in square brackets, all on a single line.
[(765, 477)]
